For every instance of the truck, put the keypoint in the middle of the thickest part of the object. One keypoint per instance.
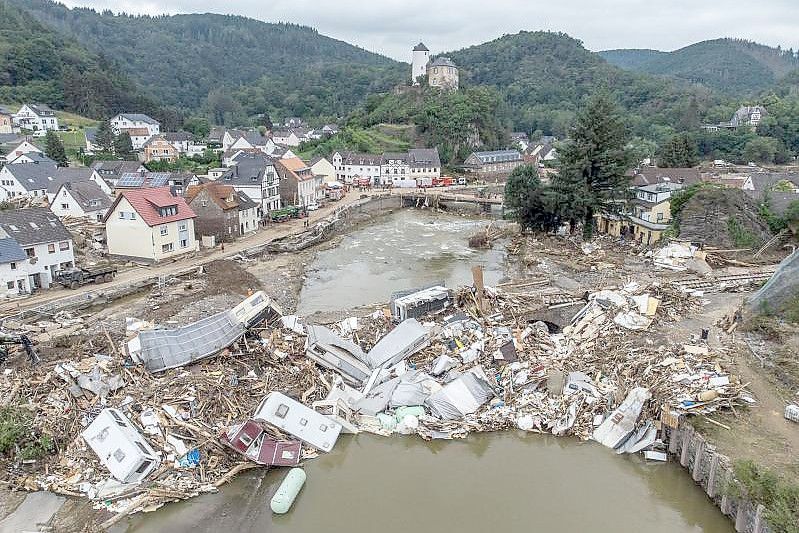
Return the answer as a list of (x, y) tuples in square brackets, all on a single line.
[(75, 277), (281, 215)]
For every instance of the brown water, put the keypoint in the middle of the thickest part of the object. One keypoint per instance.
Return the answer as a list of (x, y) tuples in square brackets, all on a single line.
[(402, 250), (489, 482)]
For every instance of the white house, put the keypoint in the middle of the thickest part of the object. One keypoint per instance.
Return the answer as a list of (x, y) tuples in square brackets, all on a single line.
[(6, 121), (286, 138), (45, 242), (298, 185), (149, 225), (424, 163), (350, 166), (25, 147), (255, 176), (26, 179), (80, 199), (139, 126), (32, 157), (393, 166), (321, 166), (36, 118)]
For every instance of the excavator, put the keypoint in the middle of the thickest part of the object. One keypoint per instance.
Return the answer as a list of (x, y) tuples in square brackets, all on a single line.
[(10, 339)]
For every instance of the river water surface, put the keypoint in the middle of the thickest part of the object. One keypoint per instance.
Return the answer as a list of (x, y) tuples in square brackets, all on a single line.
[(503, 482)]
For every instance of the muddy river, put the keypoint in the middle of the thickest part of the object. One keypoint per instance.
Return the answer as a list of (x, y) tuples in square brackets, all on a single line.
[(488, 482), (400, 251)]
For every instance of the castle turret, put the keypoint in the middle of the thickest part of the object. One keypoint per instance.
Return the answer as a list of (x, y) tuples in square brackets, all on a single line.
[(421, 55)]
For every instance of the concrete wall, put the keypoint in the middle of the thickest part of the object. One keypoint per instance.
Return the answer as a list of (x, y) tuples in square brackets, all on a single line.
[(713, 472)]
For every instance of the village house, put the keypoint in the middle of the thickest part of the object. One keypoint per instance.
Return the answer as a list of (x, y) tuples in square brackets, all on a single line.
[(111, 171), (351, 166), (90, 139), (286, 138), (222, 211), (36, 118), (6, 121), (424, 163), (293, 122), (25, 180), (124, 121), (32, 157), (72, 175), (255, 176), (298, 185), (244, 140), (745, 116), (157, 148), (322, 167), (329, 129), (80, 199), (647, 217), (183, 141), (177, 181), (495, 163), (22, 148), (393, 166), (149, 225), (654, 175), (521, 140), (34, 246)]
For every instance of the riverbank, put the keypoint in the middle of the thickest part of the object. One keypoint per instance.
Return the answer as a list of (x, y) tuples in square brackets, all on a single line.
[(543, 271)]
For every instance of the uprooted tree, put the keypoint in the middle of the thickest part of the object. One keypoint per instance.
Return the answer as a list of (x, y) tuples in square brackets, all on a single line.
[(529, 200)]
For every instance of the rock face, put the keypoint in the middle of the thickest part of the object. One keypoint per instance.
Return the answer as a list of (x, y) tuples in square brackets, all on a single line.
[(723, 218)]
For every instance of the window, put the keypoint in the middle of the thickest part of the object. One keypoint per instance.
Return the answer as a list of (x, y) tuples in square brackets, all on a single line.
[(143, 467), (63, 245), (167, 247), (323, 427), (51, 248), (282, 410), (164, 230), (31, 252), (245, 439), (13, 266), (303, 422), (660, 217), (184, 243), (182, 226), (64, 206), (10, 285)]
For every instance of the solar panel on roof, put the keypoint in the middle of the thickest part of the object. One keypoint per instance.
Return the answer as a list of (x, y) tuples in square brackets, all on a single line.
[(130, 180), (158, 180)]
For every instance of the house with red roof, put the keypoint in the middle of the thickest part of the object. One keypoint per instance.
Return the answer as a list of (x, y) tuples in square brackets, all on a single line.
[(150, 225)]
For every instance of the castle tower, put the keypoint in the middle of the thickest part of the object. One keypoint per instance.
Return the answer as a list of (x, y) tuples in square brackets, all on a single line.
[(421, 55)]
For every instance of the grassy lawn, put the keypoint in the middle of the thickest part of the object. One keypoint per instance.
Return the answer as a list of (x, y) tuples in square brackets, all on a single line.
[(70, 120)]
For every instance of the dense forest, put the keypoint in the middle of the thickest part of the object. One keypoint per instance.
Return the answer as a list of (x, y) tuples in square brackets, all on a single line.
[(732, 66), (276, 69), (40, 65)]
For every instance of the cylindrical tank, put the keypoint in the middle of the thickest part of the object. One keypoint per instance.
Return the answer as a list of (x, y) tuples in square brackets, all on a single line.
[(287, 491)]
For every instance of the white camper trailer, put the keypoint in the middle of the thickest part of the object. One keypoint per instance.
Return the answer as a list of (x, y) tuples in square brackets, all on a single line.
[(303, 422), (120, 447)]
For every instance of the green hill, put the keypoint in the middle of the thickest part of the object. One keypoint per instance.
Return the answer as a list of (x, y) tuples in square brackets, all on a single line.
[(544, 77), (279, 69), (733, 66), (40, 65)]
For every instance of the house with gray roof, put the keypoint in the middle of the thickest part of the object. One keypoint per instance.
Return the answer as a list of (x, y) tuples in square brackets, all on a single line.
[(36, 118), (494, 163), (25, 180), (111, 171), (255, 175), (139, 126), (80, 199), (45, 242)]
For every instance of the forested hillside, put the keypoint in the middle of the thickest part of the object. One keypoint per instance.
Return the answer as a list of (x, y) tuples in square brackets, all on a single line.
[(545, 76), (733, 66), (40, 65), (246, 66)]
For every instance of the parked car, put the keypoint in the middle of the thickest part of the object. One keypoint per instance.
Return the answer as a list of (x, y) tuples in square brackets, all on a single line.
[(461, 181), (312, 207)]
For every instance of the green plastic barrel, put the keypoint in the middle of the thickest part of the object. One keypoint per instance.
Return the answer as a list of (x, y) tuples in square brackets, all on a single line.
[(288, 490)]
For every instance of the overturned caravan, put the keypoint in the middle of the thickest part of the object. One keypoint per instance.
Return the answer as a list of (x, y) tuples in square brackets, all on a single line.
[(162, 349)]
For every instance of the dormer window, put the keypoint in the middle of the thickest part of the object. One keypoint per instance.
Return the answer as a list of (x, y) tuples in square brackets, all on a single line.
[(168, 211)]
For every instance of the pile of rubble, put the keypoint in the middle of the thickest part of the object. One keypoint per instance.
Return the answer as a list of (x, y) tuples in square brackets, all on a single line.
[(180, 411)]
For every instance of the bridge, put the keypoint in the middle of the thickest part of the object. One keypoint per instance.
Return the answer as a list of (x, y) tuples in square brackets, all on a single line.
[(433, 198)]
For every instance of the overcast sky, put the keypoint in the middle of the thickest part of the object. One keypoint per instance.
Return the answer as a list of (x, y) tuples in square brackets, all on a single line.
[(393, 27)]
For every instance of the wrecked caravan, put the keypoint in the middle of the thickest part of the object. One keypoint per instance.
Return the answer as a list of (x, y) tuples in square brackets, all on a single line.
[(419, 302), (250, 440), (340, 355), (401, 342), (120, 447), (161, 349), (300, 421)]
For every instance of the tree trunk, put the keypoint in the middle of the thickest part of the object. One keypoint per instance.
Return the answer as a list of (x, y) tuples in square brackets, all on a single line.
[(588, 224)]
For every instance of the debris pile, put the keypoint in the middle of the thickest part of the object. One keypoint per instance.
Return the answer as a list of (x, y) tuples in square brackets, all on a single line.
[(249, 387)]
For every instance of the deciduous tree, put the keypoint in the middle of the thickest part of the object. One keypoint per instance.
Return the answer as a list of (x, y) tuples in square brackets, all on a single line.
[(54, 149)]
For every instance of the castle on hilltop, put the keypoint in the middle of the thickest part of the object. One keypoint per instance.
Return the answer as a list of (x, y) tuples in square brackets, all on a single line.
[(440, 72)]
